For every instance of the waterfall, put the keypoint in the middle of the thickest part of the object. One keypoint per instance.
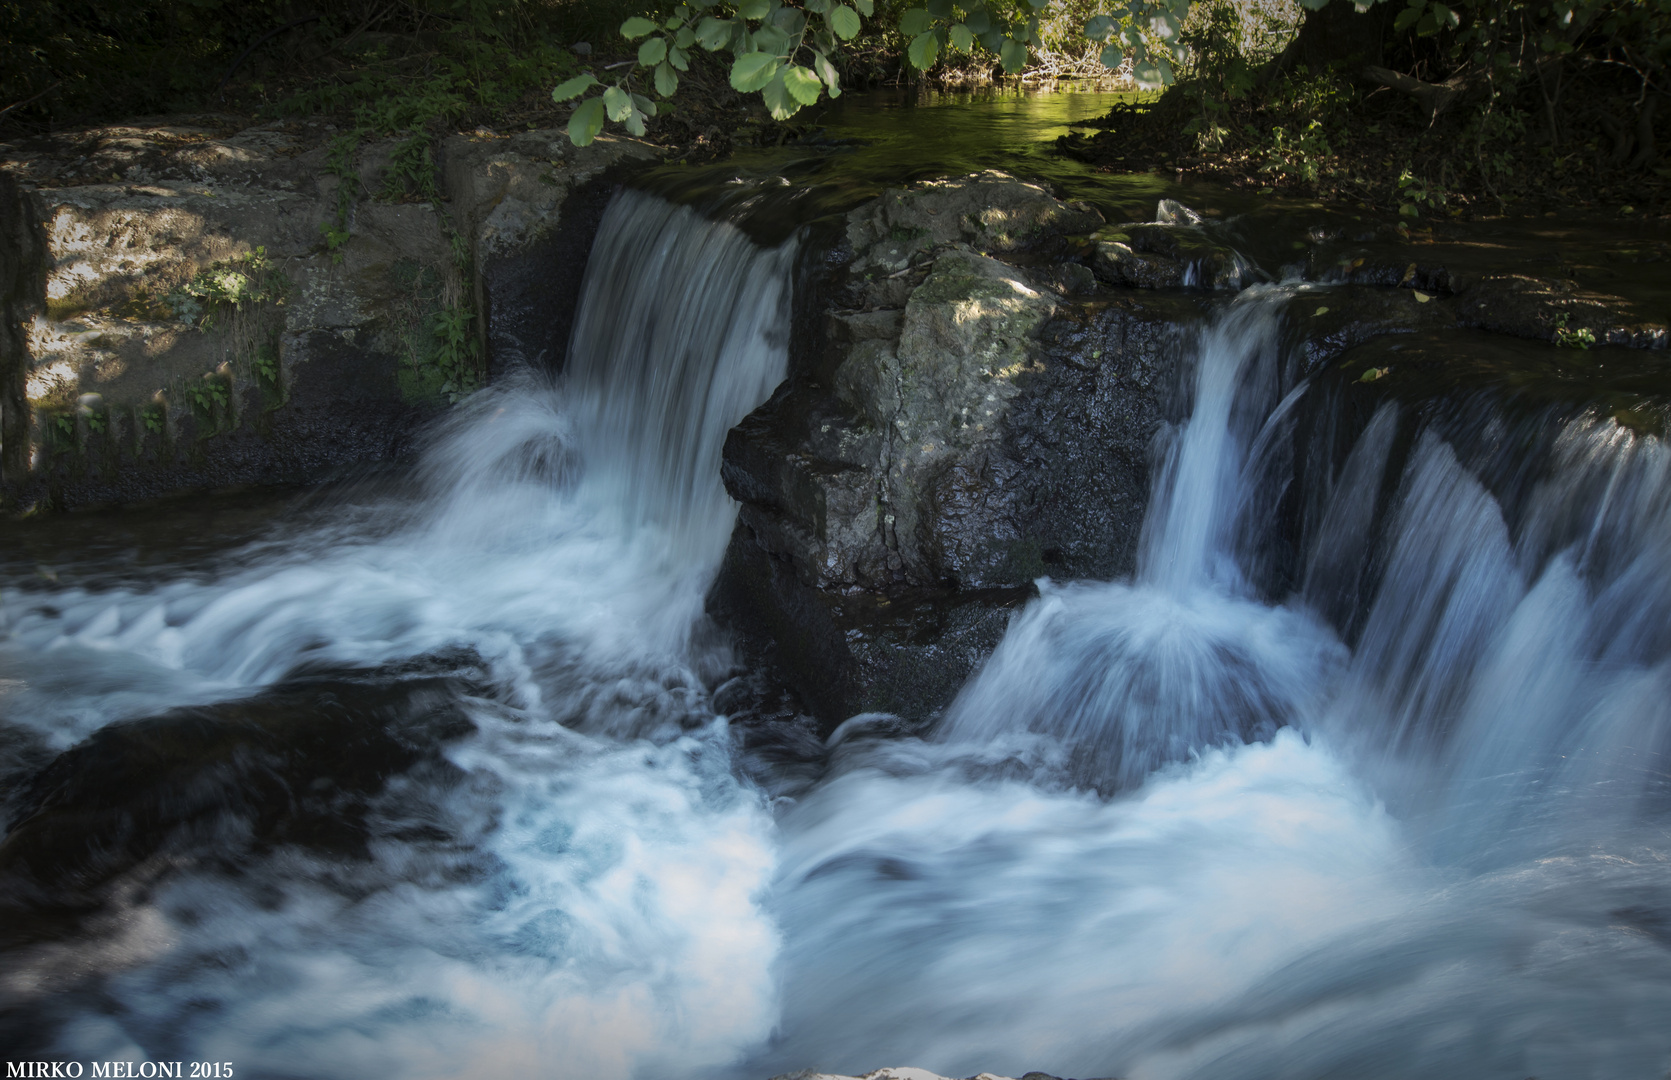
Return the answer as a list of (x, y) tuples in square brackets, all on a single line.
[(1172, 831), (1131, 675), (1405, 819), (572, 889)]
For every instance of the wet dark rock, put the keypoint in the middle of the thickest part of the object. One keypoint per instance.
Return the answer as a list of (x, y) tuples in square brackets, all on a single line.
[(1166, 256), (969, 425), (300, 764)]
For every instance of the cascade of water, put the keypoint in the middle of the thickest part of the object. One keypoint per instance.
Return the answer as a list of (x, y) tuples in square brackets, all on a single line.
[(1254, 910), (545, 891), (1133, 675), (1168, 831)]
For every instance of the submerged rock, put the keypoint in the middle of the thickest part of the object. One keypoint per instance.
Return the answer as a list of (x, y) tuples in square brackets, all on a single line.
[(1167, 255)]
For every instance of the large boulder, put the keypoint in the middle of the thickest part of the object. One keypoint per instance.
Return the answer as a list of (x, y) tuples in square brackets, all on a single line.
[(205, 303), (964, 424)]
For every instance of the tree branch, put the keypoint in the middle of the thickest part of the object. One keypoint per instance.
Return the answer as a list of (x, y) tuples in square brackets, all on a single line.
[(1434, 97)]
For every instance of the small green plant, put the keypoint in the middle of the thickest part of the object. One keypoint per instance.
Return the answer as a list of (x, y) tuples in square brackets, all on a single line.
[(1567, 338), (335, 239), (1416, 195), (230, 285), (154, 419), (456, 351), (207, 395), (265, 364), (411, 171), (63, 430), (1300, 156)]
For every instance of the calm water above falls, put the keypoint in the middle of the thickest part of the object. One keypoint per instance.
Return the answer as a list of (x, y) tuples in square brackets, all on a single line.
[(1171, 830)]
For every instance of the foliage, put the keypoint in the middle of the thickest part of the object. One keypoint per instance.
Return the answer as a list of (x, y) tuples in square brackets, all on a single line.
[(1300, 155), (1567, 338), (440, 353), (226, 286), (783, 52), (394, 66), (208, 396)]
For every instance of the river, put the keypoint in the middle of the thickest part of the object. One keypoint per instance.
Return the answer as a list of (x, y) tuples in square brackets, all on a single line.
[(424, 779)]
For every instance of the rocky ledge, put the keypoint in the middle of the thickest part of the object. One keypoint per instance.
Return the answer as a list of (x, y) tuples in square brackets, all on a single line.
[(198, 303), (974, 398)]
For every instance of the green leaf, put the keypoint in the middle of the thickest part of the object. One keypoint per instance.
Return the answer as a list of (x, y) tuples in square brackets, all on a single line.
[(804, 86), (827, 72), (666, 81), (992, 40), (817, 7), (1013, 55), (586, 122), (685, 38), (770, 39), (636, 27), (574, 87), (754, 9), (789, 20), (634, 123), (1039, 5), (922, 51), (845, 22), (1152, 74), (1112, 56), (1099, 27), (961, 39), (617, 102), (779, 101), (644, 105), (715, 34), (753, 71), (978, 21), (652, 52), (1407, 18), (914, 22), (940, 9), (678, 58), (867, 8)]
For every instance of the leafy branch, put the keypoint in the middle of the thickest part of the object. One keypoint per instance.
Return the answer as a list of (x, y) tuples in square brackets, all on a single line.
[(787, 52), (782, 51)]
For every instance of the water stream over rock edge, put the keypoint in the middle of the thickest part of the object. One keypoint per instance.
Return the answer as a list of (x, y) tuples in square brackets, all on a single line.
[(1320, 890)]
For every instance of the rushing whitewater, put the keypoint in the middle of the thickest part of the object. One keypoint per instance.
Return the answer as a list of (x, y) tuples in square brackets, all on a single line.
[(1410, 819)]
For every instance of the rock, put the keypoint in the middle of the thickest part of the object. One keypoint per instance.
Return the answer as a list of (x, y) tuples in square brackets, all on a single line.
[(989, 211), (964, 429), (184, 272), (1166, 256)]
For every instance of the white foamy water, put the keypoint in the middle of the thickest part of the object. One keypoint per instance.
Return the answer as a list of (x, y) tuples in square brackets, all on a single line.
[(1411, 821), (596, 908)]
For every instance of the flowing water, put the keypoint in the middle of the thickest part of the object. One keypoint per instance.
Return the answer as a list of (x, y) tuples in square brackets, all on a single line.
[(1407, 818)]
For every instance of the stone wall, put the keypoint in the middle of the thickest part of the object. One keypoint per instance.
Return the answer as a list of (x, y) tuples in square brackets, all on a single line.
[(127, 373)]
